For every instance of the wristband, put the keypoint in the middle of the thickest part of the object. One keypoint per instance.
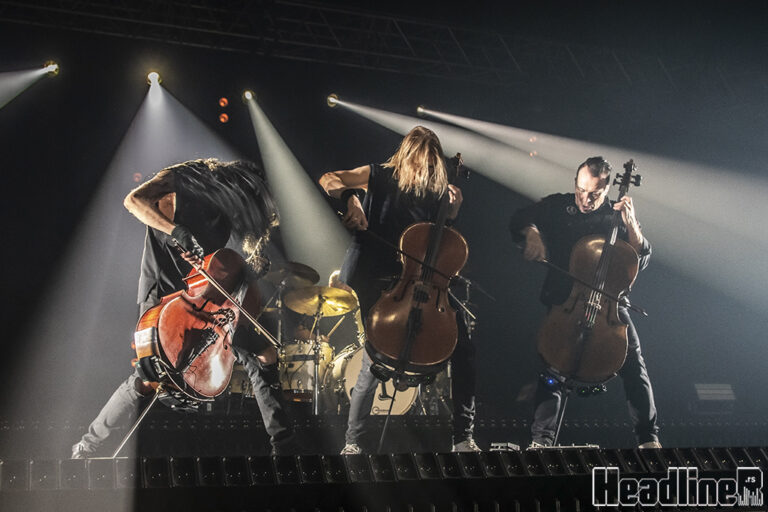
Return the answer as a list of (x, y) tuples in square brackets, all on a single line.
[(349, 193)]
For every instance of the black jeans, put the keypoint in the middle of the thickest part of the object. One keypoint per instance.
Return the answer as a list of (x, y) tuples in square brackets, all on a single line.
[(637, 388)]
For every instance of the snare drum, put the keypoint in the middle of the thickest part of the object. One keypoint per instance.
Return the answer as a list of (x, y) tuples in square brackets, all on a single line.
[(297, 368), (341, 378)]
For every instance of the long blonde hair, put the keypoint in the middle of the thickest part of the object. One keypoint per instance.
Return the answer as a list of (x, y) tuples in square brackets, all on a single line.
[(418, 163)]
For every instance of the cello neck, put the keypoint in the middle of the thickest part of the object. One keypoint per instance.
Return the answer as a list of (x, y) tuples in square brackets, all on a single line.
[(442, 216)]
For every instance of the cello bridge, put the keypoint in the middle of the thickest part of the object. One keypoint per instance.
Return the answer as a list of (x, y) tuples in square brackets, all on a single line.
[(420, 293), (595, 305)]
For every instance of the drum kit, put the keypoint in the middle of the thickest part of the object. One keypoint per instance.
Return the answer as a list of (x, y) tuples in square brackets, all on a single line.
[(308, 358)]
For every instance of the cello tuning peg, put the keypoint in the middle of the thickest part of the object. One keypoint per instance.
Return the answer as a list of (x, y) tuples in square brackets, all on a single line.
[(636, 179)]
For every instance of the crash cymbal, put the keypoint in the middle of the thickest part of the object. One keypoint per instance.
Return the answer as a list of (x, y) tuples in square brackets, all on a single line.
[(295, 275), (332, 301)]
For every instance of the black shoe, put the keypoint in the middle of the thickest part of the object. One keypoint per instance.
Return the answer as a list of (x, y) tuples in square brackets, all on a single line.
[(286, 446)]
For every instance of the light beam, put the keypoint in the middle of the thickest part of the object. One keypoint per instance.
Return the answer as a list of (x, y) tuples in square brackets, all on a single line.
[(311, 232)]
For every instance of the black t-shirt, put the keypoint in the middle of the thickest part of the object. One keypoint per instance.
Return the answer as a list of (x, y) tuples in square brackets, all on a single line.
[(561, 225), (389, 211), (162, 268)]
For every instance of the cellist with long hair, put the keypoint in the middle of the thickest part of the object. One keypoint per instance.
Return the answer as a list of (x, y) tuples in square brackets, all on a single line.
[(197, 205), (385, 199)]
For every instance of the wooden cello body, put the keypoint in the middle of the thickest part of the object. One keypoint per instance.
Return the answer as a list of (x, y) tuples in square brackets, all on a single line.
[(185, 341), (420, 297), (584, 340)]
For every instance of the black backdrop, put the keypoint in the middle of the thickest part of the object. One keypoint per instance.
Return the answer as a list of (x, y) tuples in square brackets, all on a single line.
[(59, 136)]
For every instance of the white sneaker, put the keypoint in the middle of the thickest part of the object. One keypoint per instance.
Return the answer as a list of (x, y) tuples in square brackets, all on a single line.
[(467, 445), (650, 445), (351, 449)]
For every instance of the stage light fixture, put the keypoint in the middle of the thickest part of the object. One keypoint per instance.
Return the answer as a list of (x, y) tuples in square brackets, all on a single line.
[(223, 102), (420, 110), (51, 68), (248, 95), (223, 118), (332, 100), (153, 78)]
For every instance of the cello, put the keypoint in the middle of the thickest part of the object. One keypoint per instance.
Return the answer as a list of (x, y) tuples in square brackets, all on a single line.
[(583, 340), (184, 343), (412, 327)]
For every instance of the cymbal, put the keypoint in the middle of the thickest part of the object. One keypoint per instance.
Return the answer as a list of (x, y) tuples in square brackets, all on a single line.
[(332, 301), (295, 275)]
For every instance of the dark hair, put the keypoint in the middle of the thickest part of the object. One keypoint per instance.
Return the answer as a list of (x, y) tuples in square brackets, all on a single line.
[(598, 167), (237, 188)]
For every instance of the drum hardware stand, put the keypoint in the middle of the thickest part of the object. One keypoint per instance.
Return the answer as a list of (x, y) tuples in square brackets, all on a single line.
[(316, 357), (138, 420), (277, 298)]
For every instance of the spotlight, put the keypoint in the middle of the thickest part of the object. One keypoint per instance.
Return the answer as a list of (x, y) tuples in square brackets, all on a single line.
[(421, 110), (51, 68), (223, 118), (248, 95), (153, 78), (223, 102), (333, 99)]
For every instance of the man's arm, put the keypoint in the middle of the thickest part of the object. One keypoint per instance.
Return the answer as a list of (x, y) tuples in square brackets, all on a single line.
[(634, 232), (525, 229), (152, 203), (144, 202), (336, 183)]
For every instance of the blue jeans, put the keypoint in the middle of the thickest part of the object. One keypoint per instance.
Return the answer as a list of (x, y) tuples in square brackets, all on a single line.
[(463, 392)]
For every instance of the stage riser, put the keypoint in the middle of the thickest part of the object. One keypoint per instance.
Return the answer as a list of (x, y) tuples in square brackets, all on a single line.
[(182, 436), (552, 479)]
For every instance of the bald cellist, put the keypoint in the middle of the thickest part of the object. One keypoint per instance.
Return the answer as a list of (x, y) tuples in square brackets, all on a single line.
[(548, 230)]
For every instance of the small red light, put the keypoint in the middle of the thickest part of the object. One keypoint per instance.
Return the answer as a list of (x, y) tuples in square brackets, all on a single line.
[(223, 118), (223, 102)]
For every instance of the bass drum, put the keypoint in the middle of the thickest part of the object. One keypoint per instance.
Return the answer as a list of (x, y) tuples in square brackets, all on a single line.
[(341, 377)]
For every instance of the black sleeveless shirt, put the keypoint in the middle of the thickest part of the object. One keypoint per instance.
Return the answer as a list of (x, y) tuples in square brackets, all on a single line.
[(389, 211), (162, 268)]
